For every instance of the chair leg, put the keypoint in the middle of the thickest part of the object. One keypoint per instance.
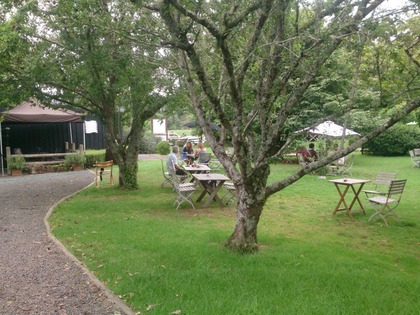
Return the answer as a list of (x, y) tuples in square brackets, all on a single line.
[(383, 212), (228, 197), (167, 180), (184, 197)]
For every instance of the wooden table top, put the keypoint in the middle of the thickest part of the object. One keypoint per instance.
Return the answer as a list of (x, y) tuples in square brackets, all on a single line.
[(212, 177)]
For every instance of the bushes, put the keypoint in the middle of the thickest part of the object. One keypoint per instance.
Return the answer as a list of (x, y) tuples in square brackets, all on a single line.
[(397, 140), (163, 148), (75, 159), (93, 156)]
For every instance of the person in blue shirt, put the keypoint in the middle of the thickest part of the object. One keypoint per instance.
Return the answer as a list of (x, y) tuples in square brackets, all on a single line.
[(172, 162), (188, 153)]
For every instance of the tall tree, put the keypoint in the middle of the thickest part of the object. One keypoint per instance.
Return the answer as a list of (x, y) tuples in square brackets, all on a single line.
[(95, 55), (256, 63)]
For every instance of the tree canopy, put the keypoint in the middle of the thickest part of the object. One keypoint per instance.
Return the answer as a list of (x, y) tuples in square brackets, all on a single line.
[(267, 68)]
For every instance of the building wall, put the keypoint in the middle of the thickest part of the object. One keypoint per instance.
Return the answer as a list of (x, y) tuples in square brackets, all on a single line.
[(48, 137)]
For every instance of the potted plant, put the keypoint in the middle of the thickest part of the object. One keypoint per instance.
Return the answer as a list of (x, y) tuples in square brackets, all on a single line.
[(16, 163), (76, 161)]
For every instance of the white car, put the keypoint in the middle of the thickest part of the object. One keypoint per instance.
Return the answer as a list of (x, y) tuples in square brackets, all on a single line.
[(193, 139), (173, 136)]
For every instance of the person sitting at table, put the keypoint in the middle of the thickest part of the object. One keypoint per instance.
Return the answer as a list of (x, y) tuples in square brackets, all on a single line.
[(200, 149), (188, 153), (172, 162), (340, 161), (305, 154), (313, 155)]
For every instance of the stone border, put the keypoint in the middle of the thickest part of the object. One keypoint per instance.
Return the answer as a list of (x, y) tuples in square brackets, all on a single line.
[(110, 295)]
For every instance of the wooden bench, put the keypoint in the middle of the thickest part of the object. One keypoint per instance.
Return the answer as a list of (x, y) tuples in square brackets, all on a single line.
[(52, 159)]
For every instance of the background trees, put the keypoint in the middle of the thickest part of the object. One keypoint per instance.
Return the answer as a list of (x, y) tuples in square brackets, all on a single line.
[(98, 57), (267, 68)]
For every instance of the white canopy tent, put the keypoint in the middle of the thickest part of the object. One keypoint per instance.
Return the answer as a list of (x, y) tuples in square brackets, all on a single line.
[(329, 129)]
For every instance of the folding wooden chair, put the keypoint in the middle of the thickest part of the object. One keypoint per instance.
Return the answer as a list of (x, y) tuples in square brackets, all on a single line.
[(230, 195), (104, 176), (215, 164), (166, 175), (415, 159), (183, 190), (384, 205), (382, 182), (301, 159)]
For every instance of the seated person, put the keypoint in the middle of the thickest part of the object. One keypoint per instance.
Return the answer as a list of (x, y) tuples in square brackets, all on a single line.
[(172, 162), (305, 154), (312, 153), (188, 153), (200, 148), (340, 161)]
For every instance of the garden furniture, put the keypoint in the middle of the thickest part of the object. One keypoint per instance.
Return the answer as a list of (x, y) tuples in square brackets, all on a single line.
[(211, 184), (343, 185), (384, 205)]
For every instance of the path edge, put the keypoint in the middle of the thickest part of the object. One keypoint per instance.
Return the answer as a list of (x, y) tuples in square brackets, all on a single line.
[(110, 295)]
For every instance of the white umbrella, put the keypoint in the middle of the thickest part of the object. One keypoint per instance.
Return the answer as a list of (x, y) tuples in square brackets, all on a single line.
[(329, 129)]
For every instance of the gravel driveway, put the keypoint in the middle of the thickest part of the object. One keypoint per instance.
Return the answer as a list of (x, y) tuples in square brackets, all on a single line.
[(37, 275)]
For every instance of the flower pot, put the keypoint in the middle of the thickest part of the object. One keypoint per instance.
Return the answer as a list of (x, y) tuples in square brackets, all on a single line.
[(78, 167), (16, 172)]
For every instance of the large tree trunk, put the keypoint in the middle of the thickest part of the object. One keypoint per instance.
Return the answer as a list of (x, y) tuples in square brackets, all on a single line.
[(244, 236), (128, 174), (125, 156), (251, 200)]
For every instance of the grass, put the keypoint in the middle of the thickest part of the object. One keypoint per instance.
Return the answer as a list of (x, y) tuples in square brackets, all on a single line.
[(310, 262)]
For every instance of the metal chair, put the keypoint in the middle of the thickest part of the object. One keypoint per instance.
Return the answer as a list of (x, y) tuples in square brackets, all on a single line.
[(103, 172), (342, 169), (184, 191), (215, 164), (301, 159), (166, 175), (384, 205), (415, 159), (382, 182), (230, 195)]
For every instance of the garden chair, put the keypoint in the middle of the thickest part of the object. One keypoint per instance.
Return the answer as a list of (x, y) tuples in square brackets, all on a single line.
[(301, 159), (385, 204), (215, 164), (382, 182), (103, 172), (230, 195), (183, 190), (415, 158), (166, 175), (342, 169)]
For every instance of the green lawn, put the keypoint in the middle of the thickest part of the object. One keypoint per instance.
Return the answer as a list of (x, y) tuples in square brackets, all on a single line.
[(310, 261)]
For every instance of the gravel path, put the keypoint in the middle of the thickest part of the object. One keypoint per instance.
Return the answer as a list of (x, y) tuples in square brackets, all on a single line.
[(37, 275)]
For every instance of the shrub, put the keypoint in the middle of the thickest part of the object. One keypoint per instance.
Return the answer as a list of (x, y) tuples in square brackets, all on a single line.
[(16, 162), (75, 159), (397, 140), (163, 148), (94, 156)]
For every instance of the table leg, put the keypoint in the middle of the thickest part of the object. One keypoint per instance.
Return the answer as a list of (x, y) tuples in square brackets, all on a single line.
[(356, 198), (205, 190), (342, 200), (213, 194)]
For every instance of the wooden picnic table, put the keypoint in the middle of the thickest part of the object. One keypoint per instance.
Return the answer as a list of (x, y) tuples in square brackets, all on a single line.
[(211, 183)]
